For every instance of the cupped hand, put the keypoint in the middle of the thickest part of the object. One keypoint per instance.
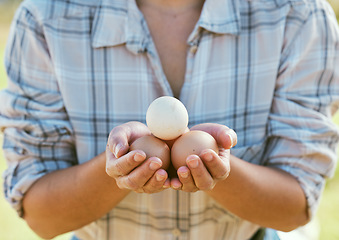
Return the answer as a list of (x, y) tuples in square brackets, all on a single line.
[(132, 170), (204, 171)]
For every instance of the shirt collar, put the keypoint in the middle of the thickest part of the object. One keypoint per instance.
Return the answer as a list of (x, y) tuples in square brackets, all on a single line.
[(109, 23), (119, 21), (221, 16)]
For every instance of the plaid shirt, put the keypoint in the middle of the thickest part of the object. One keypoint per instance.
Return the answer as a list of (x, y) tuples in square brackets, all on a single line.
[(77, 68)]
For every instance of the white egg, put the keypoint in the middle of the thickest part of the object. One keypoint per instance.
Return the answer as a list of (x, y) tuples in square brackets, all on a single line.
[(167, 118)]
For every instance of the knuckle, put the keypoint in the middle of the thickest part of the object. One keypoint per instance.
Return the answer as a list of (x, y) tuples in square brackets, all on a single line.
[(120, 184), (116, 134), (118, 128), (208, 185), (153, 187), (145, 175), (111, 169), (222, 176), (123, 165), (131, 183), (118, 168), (109, 172), (112, 135)]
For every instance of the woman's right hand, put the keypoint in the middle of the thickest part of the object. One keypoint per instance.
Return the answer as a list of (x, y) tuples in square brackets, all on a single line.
[(132, 170)]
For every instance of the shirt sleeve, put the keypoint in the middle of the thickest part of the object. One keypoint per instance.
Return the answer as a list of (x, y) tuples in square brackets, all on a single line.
[(38, 137), (302, 137)]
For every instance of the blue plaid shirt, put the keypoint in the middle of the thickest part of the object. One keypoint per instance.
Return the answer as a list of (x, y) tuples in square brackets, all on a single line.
[(266, 68)]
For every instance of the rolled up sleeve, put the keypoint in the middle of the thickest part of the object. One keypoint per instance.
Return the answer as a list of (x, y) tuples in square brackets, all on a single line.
[(302, 137), (38, 137)]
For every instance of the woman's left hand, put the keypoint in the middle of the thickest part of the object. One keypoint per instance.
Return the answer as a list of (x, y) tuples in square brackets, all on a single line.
[(204, 171)]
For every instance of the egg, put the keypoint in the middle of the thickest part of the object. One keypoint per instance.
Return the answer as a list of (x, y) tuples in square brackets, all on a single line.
[(153, 147), (167, 118), (192, 142)]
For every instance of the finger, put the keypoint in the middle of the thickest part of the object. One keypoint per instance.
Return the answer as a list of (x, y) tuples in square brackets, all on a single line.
[(218, 166), (141, 175), (202, 178), (157, 182), (121, 136), (187, 180), (116, 167), (118, 141), (225, 137), (176, 184), (167, 183)]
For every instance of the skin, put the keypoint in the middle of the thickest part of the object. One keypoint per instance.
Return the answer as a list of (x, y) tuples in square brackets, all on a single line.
[(170, 23), (129, 169), (255, 193)]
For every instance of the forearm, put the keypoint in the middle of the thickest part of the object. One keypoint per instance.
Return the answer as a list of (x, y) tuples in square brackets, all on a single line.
[(263, 195), (68, 199)]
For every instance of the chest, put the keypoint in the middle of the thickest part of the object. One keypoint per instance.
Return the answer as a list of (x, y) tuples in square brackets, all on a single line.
[(170, 34), (229, 80)]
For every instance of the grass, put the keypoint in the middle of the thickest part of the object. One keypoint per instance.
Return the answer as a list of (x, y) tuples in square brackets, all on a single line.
[(14, 228), (328, 210), (335, 6), (11, 226)]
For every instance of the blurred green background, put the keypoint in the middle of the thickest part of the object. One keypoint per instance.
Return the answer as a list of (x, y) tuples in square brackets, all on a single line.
[(13, 228)]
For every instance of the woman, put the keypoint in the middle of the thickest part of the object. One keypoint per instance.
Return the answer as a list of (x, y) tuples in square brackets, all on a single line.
[(82, 70)]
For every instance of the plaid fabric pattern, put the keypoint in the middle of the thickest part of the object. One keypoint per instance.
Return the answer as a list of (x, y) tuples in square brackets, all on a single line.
[(77, 68)]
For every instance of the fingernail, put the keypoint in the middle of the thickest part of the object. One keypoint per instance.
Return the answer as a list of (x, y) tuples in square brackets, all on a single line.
[(154, 165), (176, 186), (138, 157), (193, 163), (231, 139), (117, 149), (184, 174), (167, 184), (159, 177)]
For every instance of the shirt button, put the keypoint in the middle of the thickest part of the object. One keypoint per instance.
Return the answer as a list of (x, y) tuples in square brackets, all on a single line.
[(176, 232), (194, 49)]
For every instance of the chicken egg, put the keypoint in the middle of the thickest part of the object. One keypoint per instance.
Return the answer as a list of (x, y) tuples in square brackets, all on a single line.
[(192, 142), (167, 118), (153, 147)]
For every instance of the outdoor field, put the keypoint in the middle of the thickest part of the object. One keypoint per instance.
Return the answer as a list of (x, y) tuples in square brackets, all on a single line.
[(13, 228)]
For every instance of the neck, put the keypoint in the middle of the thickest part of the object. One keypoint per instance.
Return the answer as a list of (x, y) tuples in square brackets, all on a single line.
[(177, 6)]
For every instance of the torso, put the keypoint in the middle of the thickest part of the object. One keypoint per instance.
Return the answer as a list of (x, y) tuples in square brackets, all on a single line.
[(170, 33)]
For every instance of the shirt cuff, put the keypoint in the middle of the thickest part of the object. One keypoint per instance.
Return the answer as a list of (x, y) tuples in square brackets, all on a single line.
[(311, 183), (20, 176)]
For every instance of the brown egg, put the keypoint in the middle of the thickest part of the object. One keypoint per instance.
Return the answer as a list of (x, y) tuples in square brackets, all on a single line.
[(192, 142), (153, 147)]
